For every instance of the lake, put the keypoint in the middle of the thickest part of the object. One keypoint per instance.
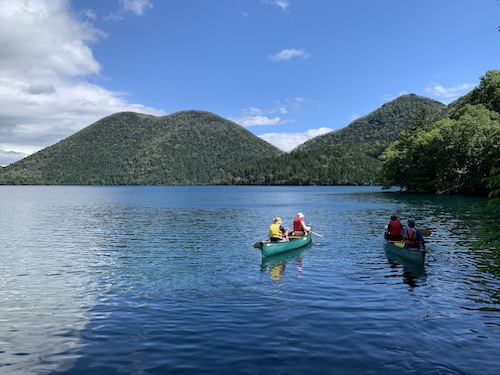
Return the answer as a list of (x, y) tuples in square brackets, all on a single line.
[(164, 280)]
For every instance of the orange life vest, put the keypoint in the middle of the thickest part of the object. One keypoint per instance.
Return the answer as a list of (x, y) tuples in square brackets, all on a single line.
[(411, 237)]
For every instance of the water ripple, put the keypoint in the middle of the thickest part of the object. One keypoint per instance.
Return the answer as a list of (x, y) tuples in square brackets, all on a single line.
[(155, 280)]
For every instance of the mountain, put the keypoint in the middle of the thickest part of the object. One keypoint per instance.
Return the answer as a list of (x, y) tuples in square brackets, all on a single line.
[(382, 126), (344, 157), (185, 148), (200, 148)]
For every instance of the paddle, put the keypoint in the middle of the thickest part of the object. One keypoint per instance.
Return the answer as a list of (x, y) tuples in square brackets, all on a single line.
[(425, 232), (317, 234)]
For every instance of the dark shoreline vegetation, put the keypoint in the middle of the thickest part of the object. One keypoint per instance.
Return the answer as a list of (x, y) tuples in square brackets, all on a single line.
[(413, 142)]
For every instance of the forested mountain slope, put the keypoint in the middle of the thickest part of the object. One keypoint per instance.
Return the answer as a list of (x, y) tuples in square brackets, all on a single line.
[(382, 126), (328, 165), (344, 157), (185, 148)]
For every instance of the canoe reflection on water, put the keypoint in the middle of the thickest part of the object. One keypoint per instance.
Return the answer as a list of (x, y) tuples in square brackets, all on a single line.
[(277, 264), (411, 271)]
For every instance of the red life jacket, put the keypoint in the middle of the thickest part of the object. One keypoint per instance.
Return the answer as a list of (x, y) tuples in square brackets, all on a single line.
[(297, 224), (411, 237), (395, 228)]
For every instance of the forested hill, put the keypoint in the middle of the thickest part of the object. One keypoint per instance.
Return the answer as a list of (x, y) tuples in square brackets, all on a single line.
[(344, 157), (382, 126), (185, 148)]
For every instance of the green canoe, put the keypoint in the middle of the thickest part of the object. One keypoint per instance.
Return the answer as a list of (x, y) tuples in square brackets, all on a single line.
[(269, 248), (412, 255)]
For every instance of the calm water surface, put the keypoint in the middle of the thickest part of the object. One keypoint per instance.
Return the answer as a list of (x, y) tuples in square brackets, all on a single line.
[(164, 280)]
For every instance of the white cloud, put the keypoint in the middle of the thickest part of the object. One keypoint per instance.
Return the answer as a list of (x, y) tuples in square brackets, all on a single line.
[(288, 54), (46, 64), (257, 120), (283, 4), (449, 93), (253, 111), (289, 108), (288, 141), (138, 7), (90, 14), (257, 117), (254, 116)]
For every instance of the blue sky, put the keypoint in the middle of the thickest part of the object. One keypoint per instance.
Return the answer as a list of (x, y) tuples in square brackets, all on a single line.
[(286, 70)]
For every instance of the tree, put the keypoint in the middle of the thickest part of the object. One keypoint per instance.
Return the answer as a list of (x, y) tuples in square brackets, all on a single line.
[(451, 156), (486, 93)]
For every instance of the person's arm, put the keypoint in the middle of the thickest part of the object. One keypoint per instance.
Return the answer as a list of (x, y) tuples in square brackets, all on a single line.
[(284, 231), (305, 227)]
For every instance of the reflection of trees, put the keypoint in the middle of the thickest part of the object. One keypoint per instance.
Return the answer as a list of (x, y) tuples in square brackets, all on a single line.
[(488, 244), (490, 233)]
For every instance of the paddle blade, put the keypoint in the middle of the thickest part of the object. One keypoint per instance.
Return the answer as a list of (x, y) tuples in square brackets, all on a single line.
[(257, 245), (426, 232)]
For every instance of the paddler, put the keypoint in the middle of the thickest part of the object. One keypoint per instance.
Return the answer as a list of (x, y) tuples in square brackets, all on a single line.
[(276, 231)]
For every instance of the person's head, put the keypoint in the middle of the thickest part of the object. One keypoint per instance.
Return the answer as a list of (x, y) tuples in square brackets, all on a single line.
[(277, 220), (411, 223), (300, 214), (394, 217)]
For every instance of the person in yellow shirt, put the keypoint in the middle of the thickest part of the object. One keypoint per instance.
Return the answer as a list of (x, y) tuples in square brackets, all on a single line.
[(276, 231)]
